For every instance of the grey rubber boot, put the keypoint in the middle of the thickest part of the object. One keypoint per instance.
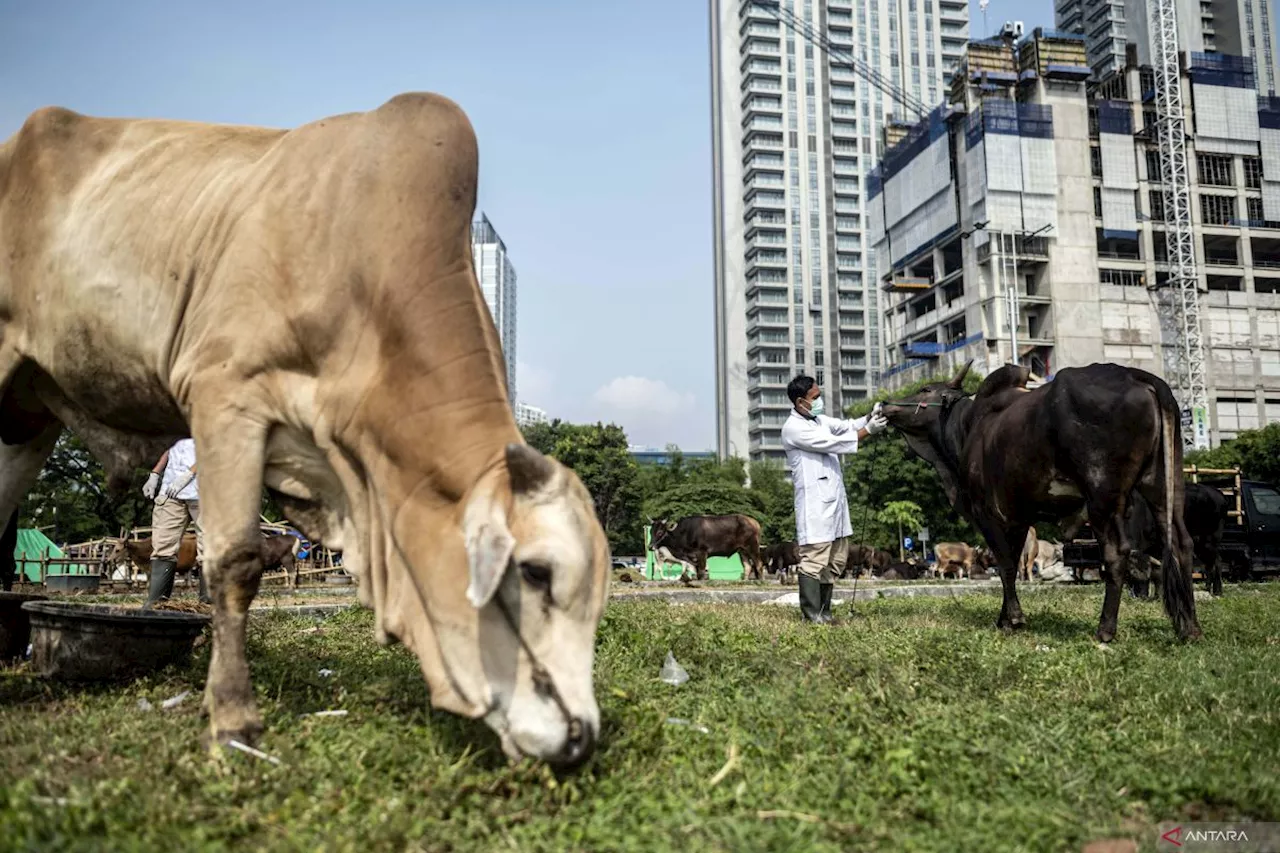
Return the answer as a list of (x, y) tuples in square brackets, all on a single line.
[(160, 583), (811, 599)]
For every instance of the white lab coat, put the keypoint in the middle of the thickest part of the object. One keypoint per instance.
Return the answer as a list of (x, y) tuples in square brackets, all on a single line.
[(813, 455)]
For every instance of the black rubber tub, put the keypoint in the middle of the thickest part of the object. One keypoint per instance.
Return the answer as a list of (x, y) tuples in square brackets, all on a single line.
[(103, 642), (15, 624), (72, 583)]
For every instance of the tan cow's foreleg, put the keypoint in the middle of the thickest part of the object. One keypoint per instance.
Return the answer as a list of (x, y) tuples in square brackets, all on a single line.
[(229, 456)]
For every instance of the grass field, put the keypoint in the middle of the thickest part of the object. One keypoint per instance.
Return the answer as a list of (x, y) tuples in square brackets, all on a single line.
[(914, 726)]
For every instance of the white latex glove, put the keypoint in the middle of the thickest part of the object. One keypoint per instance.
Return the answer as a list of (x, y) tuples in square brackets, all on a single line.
[(172, 491), (152, 486), (875, 410), (878, 423)]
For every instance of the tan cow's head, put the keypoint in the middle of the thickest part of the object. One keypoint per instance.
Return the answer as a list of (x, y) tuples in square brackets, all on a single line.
[(500, 600)]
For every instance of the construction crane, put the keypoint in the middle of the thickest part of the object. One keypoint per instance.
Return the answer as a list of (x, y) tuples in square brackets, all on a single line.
[(1179, 305), (840, 56)]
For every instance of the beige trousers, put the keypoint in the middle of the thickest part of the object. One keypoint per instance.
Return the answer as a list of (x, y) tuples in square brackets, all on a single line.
[(824, 560), (168, 522)]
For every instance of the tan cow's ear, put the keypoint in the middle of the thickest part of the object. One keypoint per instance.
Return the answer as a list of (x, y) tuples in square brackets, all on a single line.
[(529, 470), (489, 546)]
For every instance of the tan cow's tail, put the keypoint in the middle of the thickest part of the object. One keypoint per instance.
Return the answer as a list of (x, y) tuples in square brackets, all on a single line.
[(1179, 595)]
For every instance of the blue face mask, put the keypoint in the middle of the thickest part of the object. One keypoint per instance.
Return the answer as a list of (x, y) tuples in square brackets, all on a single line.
[(816, 407)]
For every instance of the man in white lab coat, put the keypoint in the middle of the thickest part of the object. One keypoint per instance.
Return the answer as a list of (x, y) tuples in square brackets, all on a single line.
[(813, 443)]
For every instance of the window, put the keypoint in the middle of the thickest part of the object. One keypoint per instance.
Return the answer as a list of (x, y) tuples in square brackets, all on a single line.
[(1156, 198), (1265, 501), (1125, 278), (1253, 173), (1097, 201), (1217, 209), (1153, 165), (1215, 170), (1095, 161), (1256, 217)]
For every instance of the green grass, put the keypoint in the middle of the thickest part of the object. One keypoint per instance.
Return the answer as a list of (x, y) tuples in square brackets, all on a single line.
[(916, 726)]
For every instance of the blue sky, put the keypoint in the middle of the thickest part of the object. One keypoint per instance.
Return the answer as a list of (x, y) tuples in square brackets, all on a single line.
[(595, 149)]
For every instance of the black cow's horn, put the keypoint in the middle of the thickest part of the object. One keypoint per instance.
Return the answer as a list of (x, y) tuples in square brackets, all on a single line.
[(958, 381), (529, 470)]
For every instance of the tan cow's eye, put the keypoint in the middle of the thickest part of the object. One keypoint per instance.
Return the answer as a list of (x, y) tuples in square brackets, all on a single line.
[(536, 574)]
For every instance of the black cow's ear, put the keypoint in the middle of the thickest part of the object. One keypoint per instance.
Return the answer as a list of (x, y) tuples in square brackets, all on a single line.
[(529, 470)]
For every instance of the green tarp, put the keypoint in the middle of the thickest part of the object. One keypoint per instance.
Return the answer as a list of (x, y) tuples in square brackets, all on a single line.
[(32, 545), (718, 568)]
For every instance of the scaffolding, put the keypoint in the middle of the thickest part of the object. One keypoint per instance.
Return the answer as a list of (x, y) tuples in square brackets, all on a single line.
[(1178, 304)]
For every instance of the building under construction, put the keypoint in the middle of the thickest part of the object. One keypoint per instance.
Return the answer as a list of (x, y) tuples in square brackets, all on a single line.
[(1035, 196)]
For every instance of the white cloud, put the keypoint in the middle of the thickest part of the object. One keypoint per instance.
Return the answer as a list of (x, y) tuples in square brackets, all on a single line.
[(640, 395), (651, 411)]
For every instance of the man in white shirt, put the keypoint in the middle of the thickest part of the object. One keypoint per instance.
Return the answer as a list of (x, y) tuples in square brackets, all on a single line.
[(813, 443), (172, 485)]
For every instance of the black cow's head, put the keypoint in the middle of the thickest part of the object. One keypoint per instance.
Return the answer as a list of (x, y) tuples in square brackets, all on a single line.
[(918, 414), (659, 529)]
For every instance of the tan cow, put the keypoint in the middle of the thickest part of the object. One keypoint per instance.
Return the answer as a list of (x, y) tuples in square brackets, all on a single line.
[(312, 319), (955, 559), (1027, 559)]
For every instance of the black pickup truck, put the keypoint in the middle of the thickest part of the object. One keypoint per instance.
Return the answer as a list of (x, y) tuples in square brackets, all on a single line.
[(1250, 542)]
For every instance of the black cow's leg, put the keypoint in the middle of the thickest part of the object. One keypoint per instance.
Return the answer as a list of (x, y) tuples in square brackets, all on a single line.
[(1208, 554), (1007, 556), (1115, 558), (700, 564)]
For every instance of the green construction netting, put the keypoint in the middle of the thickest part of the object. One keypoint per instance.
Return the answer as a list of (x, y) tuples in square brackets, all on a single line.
[(32, 545)]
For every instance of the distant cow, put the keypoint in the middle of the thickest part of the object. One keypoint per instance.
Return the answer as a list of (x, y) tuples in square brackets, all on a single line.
[(955, 559), (1205, 513), (696, 537), (781, 558), (1027, 559), (901, 571)]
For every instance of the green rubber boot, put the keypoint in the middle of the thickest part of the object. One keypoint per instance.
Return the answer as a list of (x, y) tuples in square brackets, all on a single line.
[(160, 583)]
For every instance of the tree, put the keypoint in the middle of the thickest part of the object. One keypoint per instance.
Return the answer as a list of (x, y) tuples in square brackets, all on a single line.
[(711, 498), (599, 455), (902, 514), (1255, 451), (70, 500), (777, 500)]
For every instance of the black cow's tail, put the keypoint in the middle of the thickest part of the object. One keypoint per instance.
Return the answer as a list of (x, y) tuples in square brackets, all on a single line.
[(1179, 595)]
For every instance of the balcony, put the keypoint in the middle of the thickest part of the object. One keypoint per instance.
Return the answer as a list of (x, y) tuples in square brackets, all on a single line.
[(844, 129), (754, 105), (766, 201), (844, 168), (1028, 249), (762, 122), (761, 47), (762, 85), (767, 240), (768, 282), (758, 140)]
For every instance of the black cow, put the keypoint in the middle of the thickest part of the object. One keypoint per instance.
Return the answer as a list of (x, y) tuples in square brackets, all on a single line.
[(695, 538), (900, 571), (1205, 513), (781, 558), (1083, 443)]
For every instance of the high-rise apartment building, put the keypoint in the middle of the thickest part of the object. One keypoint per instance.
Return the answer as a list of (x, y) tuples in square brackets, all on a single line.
[(498, 281), (793, 135), (1232, 27)]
